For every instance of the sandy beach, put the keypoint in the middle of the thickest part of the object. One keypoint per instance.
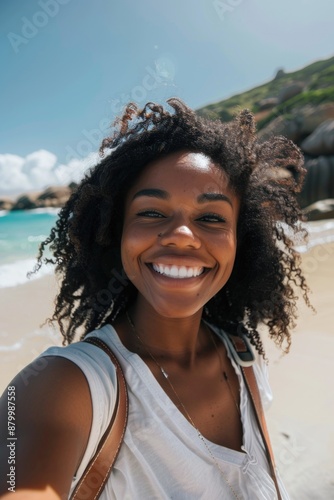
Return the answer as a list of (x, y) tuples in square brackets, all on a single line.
[(301, 418), (302, 414), (23, 310)]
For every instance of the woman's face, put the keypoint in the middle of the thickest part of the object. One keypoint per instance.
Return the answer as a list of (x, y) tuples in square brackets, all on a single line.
[(179, 234)]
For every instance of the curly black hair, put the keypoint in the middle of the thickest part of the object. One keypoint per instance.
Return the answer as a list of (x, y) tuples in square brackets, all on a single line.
[(85, 241)]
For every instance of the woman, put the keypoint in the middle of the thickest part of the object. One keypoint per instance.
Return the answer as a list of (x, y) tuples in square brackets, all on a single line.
[(174, 241)]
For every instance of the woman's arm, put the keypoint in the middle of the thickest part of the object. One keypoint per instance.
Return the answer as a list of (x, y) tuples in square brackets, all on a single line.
[(53, 415)]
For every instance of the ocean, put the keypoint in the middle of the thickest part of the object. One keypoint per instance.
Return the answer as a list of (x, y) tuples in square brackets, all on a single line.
[(22, 231)]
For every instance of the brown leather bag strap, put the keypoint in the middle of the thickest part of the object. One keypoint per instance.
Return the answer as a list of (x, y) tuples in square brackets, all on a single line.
[(253, 389), (98, 470)]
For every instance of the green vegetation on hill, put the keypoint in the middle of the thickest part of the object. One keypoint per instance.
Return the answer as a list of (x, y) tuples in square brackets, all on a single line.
[(318, 79), (318, 96)]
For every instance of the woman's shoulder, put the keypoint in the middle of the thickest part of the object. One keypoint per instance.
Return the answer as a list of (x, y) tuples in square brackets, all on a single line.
[(97, 368), (91, 359), (67, 393), (53, 418)]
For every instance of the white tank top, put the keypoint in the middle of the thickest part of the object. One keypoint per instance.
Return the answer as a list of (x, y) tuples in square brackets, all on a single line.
[(162, 456)]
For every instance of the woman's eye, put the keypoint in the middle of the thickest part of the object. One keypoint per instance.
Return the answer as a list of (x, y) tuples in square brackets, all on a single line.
[(150, 213), (212, 218)]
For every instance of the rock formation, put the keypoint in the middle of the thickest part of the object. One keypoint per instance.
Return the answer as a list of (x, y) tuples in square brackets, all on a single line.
[(311, 127), (290, 90), (319, 180), (299, 123), (321, 141), (55, 196)]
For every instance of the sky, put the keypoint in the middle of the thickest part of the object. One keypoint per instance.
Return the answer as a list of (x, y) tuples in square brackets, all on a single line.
[(70, 66)]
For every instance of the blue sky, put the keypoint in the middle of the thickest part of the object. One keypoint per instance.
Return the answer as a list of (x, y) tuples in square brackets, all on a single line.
[(68, 67)]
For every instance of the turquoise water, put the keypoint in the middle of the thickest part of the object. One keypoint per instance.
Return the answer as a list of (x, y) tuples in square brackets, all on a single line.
[(21, 233)]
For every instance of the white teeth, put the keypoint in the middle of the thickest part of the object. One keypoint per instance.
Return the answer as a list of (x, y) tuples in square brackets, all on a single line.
[(174, 271), (178, 272), (183, 272)]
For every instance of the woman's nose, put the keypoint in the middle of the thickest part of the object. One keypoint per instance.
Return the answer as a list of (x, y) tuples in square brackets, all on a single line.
[(181, 235)]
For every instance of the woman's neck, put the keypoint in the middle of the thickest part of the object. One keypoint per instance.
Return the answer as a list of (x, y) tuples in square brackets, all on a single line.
[(181, 339)]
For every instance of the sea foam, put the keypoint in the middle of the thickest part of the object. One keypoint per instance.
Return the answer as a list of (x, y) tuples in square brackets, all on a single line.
[(15, 273), (319, 233)]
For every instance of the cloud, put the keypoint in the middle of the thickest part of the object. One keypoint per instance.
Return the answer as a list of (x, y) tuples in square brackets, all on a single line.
[(39, 170)]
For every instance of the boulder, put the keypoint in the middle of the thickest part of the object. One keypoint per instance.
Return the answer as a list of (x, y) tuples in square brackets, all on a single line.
[(290, 90), (319, 180), (280, 126), (310, 117), (54, 196), (268, 103), (321, 141), (24, 202), (320, 210), (301, 122)]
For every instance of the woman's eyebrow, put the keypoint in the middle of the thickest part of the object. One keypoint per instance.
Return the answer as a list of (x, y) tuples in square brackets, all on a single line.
[(156, 193), (164, 195), (202, 198)]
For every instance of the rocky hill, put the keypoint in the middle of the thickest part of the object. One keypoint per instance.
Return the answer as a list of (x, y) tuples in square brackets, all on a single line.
[(300, 106)]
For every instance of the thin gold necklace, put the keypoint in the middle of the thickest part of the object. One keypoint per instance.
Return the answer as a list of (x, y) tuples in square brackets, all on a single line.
[(166, 376)]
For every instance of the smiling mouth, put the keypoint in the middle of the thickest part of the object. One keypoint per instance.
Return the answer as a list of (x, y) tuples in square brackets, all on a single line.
[(178, 272)]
